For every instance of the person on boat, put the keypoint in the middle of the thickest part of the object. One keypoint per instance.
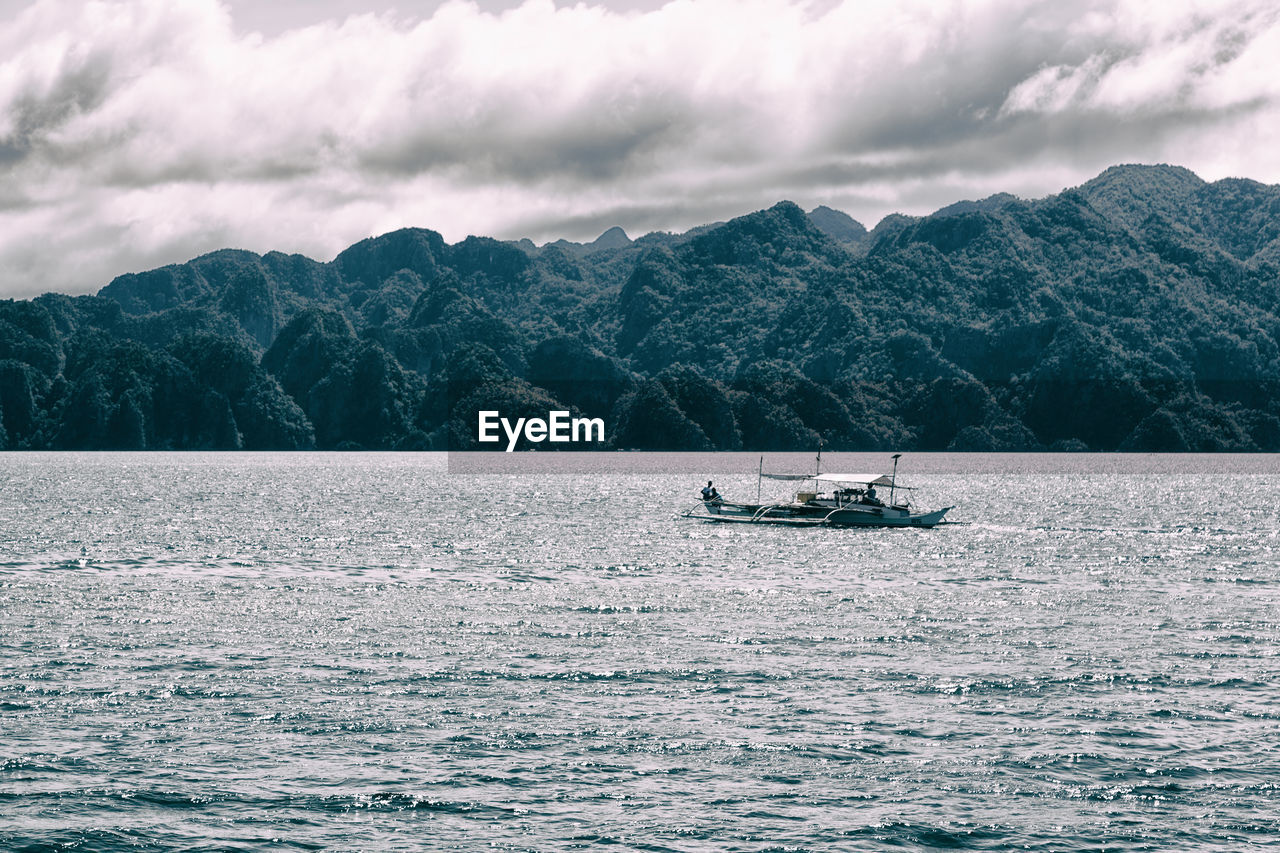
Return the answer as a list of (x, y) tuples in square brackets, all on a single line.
[(709, 492), (870, 497)]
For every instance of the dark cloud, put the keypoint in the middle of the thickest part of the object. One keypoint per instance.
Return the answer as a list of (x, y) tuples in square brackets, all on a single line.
[(36, 112), (604, 139)]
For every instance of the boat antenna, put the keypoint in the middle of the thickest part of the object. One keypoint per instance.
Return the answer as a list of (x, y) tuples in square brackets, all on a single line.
[(893, 481)]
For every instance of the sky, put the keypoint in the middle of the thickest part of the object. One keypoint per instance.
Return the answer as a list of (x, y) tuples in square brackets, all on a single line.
[(135, 133)]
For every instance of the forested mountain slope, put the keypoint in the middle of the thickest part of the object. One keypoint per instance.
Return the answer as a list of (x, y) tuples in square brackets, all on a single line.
[(1136, 312)]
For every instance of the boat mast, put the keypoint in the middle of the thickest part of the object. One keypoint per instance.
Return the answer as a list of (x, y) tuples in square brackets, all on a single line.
[(893, 481), (759, 474), (817, 468)]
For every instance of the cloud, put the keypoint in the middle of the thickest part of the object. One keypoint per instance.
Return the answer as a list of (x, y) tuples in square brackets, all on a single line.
[(139, 132), (1139, 66)]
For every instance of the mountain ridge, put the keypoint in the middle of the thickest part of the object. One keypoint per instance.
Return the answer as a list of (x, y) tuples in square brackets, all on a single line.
[(1139, 311)]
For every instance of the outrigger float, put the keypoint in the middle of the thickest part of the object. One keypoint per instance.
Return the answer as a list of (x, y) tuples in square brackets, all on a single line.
[(850, 500)]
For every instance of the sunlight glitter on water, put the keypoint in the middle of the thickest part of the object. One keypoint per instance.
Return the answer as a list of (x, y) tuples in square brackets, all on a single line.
[(233, 649)]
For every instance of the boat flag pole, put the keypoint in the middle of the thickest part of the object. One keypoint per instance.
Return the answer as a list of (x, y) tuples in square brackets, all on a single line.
[(894, 480)]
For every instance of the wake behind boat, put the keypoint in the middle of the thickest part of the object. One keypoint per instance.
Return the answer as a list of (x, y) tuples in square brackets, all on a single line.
[(835, 500)]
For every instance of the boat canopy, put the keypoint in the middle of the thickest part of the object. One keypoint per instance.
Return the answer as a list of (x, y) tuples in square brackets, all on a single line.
[(857, 479), (787, 476)]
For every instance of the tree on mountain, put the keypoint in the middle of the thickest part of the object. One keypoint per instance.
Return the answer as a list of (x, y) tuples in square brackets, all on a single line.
[(265, 417), (705, 402), (648, 419), (578, 374)]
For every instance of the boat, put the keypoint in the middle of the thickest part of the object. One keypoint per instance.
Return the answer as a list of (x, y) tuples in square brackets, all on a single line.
[(831, 500)]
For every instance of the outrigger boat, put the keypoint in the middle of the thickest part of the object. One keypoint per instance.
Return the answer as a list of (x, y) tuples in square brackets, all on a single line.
[(849, 500)]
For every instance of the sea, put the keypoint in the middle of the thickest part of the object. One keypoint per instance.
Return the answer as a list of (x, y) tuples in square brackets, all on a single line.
[(535, 651)]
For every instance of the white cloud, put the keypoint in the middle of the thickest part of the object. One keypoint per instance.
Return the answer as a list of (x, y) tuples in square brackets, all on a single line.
[(1155, 62), (138, 132)]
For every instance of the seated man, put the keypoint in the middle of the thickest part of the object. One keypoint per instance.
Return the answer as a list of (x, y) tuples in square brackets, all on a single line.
[(709, 492)]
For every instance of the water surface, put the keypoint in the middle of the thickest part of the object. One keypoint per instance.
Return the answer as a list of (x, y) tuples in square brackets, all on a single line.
[(404, 652)]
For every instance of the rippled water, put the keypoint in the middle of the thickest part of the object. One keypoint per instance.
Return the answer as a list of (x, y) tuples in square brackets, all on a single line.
[(257, 652)]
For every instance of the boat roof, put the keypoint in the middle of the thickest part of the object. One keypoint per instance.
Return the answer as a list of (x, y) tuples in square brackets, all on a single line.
[(846, 479), (856, 479)]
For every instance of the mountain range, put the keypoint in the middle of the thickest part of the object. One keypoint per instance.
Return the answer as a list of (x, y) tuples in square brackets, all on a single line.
[(1138, 311)]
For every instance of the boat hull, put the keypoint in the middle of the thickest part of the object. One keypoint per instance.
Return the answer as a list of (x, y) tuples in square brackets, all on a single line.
[(813, 514)]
